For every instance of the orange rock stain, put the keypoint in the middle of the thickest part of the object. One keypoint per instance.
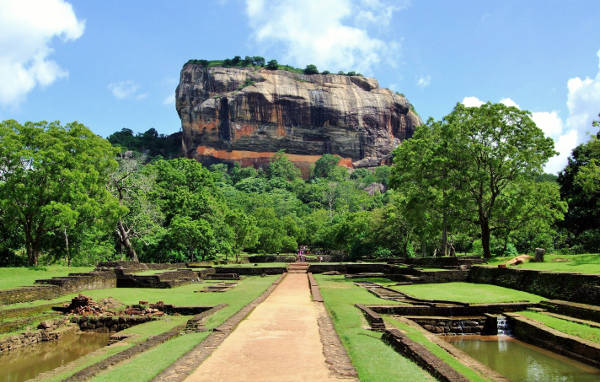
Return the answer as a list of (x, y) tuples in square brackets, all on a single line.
[(256, 158)]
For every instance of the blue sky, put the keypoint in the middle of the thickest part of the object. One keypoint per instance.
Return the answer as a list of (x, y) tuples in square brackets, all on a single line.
[(114, 64)]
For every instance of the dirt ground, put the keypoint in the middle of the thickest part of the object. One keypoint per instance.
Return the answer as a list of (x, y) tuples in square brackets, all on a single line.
[(279, 341)]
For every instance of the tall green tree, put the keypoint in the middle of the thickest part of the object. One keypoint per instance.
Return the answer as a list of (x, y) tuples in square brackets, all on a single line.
[(196, 238), (184, 188), (245, 231), (580, 187), (281, 167), (420, 172), (324, 166), (141, 219), (474, 156), (491, 148), (53, 178)]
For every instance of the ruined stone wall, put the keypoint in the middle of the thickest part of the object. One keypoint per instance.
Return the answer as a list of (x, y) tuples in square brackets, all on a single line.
[(58, 286), (451, 325), (562, 286), (13, 296)]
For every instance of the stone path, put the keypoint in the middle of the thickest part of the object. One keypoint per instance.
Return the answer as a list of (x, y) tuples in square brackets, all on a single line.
[(279, 341)]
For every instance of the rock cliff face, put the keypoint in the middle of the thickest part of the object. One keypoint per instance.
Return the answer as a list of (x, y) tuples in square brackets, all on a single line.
[(246, 115)]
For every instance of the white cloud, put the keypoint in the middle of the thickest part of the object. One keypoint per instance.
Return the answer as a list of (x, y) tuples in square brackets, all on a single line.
[(424, 81), (331, 34), (169, 100), (27, 30), (549, 122), (126, 90), (472, 102), (583, 104), (564, 144), (509, 102)]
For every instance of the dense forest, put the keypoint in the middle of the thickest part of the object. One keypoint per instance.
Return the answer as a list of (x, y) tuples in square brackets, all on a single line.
[(469, 183)]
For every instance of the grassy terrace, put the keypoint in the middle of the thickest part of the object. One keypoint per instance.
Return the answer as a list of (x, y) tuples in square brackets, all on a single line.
[(587, 263), (568, 327), (146, 365), (374, 360), (466, 292), (14, 277)]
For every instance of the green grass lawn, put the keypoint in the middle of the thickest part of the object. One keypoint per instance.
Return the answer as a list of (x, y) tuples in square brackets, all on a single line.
[(417, 336), (466, 292), (148, 364), (572, 328), (373, 359), (14, 277), (587, 263)]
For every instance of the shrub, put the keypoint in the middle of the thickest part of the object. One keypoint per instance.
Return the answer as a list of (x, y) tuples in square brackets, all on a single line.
[(311, 69), (258, 61), (272, 65), (496, 248), (382, 252)]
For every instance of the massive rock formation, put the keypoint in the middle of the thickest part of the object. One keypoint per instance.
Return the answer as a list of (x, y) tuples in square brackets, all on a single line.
[(247, 115)]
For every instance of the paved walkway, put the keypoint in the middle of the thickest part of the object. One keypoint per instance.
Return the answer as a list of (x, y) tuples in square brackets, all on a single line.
[(279, 341)]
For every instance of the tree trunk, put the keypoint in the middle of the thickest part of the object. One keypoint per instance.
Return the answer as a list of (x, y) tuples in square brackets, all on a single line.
[(67, 247), (505, 246), (444, 236), (485, 238), (124, 236), (32, 247), (31, 257)]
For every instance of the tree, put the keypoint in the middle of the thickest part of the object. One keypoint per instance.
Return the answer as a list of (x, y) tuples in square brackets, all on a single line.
[(580, 186), (196, 238), (390, 228), (420, 173), (472, 158), (258, 61), (185, 188), (141, 218), (281, 167), (53, 177), (150, 143), (245, 231), (324, 166), (311, 69), (272, 65), (526, 215)]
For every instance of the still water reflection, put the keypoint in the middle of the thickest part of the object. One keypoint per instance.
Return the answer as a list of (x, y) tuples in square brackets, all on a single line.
[(519, 361), (23, 364)]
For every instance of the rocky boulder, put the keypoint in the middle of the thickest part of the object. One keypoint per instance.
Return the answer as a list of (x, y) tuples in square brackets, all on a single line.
[(246, 115)]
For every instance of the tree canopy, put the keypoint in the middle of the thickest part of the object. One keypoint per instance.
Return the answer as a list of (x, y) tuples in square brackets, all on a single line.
[(467, 166), (472, 182), (53, 179)]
